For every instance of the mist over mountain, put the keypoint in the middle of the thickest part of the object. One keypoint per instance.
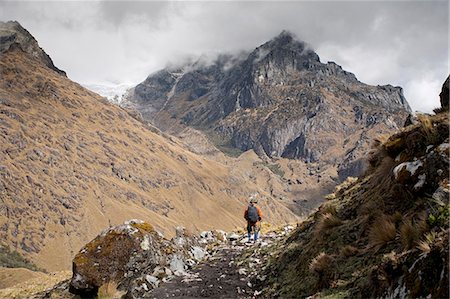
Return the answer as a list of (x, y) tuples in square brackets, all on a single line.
[(278, 100)]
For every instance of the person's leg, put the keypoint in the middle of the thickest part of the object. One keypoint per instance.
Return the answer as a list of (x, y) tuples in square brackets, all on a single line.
[(249, 231), (257, 228)]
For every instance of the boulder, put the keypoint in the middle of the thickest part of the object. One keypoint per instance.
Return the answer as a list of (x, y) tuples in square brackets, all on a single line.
[(106, 258), (135, 257)]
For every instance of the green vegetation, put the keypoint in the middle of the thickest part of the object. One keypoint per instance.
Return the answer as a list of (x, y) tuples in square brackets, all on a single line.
[(13, 259), (223, 143), (441, 217), (275, 168)]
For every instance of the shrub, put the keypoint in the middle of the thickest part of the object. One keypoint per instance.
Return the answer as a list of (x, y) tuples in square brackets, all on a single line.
[(440, 218), (13, 259)]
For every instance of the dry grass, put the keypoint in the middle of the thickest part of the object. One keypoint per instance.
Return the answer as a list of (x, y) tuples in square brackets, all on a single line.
[(109, 291), (425, 244), (383, 231), (409, 234), (321, 263), (345, 185), (411, 230), (328, 208), (377, 151), (427, 129), (328, 221), (382, 175), (78, 136), (349, 250)]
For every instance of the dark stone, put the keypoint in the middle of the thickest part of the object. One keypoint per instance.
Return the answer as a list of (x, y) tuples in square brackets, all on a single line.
[(444, 95)]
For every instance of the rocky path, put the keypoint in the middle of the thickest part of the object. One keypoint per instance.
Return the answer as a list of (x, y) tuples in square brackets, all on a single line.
[(218, 277), (214, 265), (226, 273)]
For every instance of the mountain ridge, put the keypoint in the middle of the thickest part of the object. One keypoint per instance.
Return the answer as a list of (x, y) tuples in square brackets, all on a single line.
[(73, 163), (278, 100)]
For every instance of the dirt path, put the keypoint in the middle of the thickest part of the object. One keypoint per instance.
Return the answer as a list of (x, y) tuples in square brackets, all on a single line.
[(218, 277)]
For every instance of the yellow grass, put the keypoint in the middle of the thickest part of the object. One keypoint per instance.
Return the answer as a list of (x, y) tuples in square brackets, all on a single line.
[(109, 291), (383, 230)]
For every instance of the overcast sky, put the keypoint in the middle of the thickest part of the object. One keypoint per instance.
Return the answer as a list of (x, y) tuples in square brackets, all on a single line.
[(401, 43)]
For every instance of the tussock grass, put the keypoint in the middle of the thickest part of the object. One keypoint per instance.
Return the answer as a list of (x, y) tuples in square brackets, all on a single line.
[(425, 245), (409, 234), (328, 221), (321, 263), (382, 231), (323, 266), (428, 130), (349, 250), (109, 291), (328, 208)]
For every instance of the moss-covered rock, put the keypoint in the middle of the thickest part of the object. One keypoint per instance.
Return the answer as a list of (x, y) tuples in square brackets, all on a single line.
[(106, 257)]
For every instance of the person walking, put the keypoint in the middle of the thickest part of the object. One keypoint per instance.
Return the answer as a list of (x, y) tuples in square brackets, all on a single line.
[(253, 215)]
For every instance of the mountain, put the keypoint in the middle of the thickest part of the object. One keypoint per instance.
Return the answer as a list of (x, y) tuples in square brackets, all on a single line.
[(278, 100), (12, 34), (73, 164)]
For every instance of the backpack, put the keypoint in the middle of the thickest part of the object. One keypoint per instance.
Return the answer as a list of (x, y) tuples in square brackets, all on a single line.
[(252, 214)]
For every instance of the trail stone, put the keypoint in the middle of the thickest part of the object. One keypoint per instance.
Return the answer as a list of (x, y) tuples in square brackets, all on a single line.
[(233, 237)]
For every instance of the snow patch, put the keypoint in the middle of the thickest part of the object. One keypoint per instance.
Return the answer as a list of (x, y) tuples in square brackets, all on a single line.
[(412, 167)]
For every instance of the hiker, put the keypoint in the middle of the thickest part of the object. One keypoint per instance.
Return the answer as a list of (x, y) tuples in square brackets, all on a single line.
[(253, 216)]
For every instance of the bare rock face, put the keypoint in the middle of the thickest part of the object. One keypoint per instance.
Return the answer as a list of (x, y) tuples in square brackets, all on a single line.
[(444, 95), (12, 34), (278, 100)]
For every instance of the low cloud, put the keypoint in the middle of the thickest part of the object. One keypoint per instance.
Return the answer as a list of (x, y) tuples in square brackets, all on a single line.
[(401, 43)]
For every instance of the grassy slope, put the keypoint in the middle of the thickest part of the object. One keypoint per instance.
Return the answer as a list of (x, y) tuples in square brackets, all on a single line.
[(378, 233), (73, 164)]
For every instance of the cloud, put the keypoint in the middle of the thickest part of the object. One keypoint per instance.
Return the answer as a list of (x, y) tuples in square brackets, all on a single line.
[(381, 42)]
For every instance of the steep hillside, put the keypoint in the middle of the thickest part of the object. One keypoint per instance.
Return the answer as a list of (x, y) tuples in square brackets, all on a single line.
[(13, 35), (278, 100), (385, 235), (72, 164)]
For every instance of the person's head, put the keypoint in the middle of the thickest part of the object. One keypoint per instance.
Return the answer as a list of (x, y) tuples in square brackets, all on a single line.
[(253, 201)]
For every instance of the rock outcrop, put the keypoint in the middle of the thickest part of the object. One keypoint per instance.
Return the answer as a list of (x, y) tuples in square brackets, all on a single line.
[(12, 34), (444, 95), (278, 100)]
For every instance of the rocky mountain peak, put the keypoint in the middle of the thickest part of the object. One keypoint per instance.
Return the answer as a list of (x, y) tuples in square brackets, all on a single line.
[(284, 39), (286, 45), (13, 35), (280, 101)]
